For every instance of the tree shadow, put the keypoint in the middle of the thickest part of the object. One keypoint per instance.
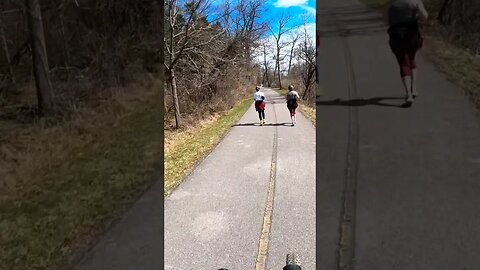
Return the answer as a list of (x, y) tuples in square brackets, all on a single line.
[(275, 100), (350, 21), (258, 125), (378, 101)]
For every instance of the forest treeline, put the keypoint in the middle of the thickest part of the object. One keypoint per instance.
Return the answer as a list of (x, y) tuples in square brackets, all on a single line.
[(460, 19), (75, 49), (80, 121), (215, 53)]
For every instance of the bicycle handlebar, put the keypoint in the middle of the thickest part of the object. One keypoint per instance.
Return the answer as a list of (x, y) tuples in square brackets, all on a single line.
[(292, 262)]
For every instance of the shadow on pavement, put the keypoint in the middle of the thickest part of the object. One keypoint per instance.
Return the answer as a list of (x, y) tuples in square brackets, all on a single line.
[(275, 100), (257, 124), (364, 102), (350, 20)]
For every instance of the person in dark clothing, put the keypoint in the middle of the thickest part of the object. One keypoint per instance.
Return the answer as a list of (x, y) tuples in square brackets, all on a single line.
[(292, 98), (406, 39)]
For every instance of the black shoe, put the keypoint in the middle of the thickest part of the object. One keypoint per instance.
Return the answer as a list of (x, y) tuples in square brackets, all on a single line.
[(415, 94)]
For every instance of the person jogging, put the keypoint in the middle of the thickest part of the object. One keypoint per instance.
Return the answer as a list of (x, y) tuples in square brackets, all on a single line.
[(292, 98), (406, 39), (259, 98)]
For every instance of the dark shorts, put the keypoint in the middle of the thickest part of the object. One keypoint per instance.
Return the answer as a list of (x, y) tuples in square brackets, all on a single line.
[(292, 106), (405, 41), (259, 106)]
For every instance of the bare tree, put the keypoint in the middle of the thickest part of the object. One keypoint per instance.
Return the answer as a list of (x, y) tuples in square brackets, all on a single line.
[(203, 42), (441, 14), (7, 52), (248, 27), (265, 66), (293, 43), (39, 57), (307, 54), (178, 44), (161, 9), (280, 31)]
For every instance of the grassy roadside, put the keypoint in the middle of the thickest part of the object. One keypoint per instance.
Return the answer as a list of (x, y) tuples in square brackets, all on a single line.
[(457, 63), (307, 109), (184, 149), (75, 179)]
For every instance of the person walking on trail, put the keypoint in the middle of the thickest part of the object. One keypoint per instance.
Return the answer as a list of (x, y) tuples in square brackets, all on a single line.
[(405, 39), (292, 98), (259, 98)]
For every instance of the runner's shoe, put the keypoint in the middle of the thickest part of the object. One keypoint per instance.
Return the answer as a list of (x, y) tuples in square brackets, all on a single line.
[(415, 93), (408, 100)]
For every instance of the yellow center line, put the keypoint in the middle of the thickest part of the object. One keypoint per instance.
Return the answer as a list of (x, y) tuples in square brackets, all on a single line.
[(261, 260)]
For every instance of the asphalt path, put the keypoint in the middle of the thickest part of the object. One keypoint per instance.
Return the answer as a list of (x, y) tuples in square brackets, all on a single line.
[(397, 187), (245, 206)]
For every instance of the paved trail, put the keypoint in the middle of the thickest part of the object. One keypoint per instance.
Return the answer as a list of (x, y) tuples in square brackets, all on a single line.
[(215, 218), (402, 183)]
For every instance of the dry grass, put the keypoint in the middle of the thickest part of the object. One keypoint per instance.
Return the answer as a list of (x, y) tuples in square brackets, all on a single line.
[(185, 148), (459, 64), (309, 112), (68, 182)]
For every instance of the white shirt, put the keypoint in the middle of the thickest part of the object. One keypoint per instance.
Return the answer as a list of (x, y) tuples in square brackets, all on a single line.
[(293, 95), (257, 96)]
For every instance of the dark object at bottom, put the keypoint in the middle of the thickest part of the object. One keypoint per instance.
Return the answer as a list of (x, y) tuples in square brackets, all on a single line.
[(293, 262), (407, 104), (292, 267)]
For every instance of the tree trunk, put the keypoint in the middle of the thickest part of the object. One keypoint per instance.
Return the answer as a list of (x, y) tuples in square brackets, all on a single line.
[(308, 82), (279, 76), (266, 65), (278, 67), (65, 48), (173, 87), (275, 72), (39, 58), (7, 53), (291, 56), (161, 15), (443, 10)]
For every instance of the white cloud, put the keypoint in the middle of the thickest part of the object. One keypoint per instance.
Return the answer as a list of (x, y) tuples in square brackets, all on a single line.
[(296, 3), (290, 3), (311, 27)]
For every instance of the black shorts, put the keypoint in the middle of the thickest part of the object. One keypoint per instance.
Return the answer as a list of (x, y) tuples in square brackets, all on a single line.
[(292, 104), (405, 38)]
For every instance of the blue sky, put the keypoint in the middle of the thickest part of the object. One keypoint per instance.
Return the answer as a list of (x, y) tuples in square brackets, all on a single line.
[(295, 8)]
